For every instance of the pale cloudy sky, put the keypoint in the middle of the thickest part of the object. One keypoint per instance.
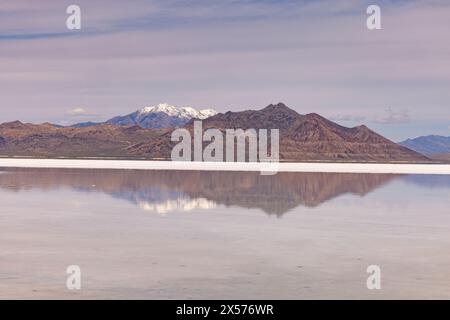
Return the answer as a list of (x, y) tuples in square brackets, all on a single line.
[(315, 56)]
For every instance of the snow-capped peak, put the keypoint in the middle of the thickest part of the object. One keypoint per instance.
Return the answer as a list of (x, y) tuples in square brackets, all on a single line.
[(173, 111), (162, 107)]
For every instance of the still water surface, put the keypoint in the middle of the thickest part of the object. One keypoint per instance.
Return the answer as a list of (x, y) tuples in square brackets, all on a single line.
[(230, 235)]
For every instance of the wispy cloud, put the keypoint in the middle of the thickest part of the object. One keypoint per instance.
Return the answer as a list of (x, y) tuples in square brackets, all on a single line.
[(391, 116), (347, 117), (76, 112)]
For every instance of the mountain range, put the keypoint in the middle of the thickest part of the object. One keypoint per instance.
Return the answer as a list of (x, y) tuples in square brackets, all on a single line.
[(308, 137), (162, 115)]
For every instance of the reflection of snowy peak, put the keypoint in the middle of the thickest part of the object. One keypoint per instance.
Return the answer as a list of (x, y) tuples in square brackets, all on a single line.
[(183, 205), (163, 201)]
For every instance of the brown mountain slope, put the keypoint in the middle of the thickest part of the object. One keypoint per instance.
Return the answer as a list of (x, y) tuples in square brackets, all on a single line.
[(20, 139), (271, 117), (312, 137), (443, 157), (302, 138)]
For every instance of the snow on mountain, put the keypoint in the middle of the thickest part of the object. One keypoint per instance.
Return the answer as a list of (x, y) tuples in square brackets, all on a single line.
[(162, 115), (173, 111)]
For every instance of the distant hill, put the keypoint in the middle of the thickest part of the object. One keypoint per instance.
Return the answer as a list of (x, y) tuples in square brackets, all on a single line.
[(308, 137), (46, 140), (162, 115), (429, 145)]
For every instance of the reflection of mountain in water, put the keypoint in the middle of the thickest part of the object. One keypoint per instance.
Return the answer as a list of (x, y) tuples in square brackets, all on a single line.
[(165, 191)]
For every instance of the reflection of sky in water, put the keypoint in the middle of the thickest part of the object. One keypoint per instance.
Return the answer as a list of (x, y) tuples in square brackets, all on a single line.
[(170, 191)]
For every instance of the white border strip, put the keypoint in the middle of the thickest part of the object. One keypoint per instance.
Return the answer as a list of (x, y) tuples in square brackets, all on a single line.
[(228, 166)]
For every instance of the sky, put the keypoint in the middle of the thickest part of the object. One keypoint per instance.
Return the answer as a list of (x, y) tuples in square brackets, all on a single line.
[(314, 56)]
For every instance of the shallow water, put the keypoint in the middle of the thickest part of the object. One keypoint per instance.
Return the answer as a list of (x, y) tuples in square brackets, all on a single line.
[(211, 235)]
